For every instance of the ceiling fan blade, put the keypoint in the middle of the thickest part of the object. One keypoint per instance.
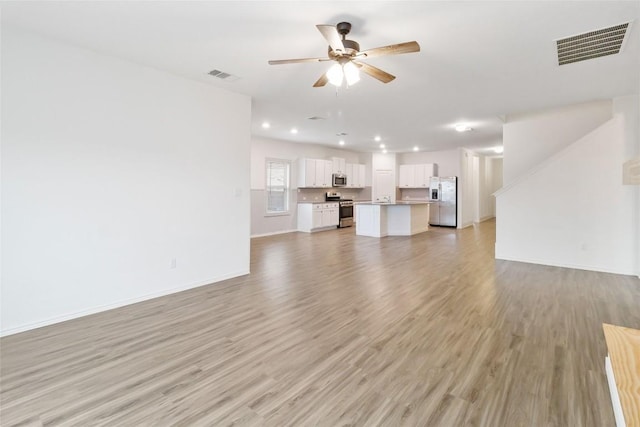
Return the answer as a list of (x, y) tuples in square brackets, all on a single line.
[(296, 61), (393, 49), (330, 33), (375, 72), (323, 80)]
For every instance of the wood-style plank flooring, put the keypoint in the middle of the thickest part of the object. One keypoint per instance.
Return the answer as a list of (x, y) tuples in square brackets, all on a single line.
[(334, 329)]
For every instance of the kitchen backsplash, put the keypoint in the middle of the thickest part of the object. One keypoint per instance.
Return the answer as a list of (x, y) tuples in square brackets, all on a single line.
[(318, 194), (413, 194)]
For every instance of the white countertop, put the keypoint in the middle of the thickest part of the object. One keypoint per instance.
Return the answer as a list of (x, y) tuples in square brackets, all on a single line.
[(316, 202), (401, 202)]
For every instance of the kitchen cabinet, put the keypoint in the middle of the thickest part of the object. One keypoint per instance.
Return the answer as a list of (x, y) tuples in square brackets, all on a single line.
[(415, 176), (314, 173), (355, 175), (318, 216), (339, 165), (362, 176), (350, 176), (405, 176)]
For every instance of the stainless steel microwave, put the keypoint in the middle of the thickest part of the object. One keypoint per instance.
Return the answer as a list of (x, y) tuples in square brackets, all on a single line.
[(339, 180)]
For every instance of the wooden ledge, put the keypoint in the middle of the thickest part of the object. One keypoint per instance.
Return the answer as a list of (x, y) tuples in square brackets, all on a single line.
[(624, 353)]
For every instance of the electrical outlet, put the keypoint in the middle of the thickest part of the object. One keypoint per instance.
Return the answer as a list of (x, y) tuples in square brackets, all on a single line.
[(173, 263)]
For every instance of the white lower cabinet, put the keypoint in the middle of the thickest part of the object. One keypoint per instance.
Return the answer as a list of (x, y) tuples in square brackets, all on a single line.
[(318, 216)]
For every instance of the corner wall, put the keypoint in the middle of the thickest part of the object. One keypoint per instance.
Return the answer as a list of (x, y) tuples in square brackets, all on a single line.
[(117, 182), (531, 138), (572, 210)]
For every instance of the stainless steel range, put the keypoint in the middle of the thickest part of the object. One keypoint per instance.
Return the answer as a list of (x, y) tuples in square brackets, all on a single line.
[(346, 208)]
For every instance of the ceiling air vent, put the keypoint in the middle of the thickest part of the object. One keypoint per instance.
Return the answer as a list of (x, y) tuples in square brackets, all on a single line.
[(223, 76), (593, 44), (316, 118)]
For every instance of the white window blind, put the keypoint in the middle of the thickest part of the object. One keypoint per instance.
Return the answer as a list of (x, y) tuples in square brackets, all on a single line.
[(277, 186)]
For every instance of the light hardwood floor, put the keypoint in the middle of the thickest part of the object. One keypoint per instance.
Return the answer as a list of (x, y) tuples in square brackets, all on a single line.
[(334, 329)]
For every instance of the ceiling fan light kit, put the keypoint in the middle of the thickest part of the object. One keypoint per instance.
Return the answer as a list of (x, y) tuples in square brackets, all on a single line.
[(335, 75), (346, 54)]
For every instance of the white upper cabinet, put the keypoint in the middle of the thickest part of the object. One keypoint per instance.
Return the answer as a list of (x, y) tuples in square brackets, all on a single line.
[(362, 175), (355, 175), (339, 165), (307, 173), (429, 171), (350, 176), (415, 176), (314, 173), (405, 176), (328, 172)]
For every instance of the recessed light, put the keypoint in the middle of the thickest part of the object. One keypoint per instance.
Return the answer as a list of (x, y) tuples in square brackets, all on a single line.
[(384, 151), (294, 130), (416, 148), (377, 138), (266, 125), (382, 145), (462, 127), (341, 142), (499, 149)]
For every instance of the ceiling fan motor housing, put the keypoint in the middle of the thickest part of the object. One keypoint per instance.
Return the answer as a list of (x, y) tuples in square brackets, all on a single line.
[(351, 48)]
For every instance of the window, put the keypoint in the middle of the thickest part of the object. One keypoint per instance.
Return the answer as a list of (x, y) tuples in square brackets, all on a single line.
[(277, 186)]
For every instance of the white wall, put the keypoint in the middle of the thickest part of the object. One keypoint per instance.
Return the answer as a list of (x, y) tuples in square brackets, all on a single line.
[(109, 171), (263, 148), (637, 218), (494, 181), (467, 191), (448, 161), (526, 144), (572, 210)]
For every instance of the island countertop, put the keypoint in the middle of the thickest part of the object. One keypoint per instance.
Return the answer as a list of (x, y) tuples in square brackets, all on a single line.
[(400, 202)]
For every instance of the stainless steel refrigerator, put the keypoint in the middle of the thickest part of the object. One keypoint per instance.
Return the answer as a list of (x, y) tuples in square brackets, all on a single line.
[(443, 191)]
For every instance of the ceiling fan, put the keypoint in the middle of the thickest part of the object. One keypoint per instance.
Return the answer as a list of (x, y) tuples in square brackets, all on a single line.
[(347, 55)]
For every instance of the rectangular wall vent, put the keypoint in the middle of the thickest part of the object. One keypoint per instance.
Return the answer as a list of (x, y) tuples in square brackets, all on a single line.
[(223, 76), (594, 44)]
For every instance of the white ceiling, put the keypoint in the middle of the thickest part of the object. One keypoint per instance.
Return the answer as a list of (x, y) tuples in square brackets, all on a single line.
[(478, 61)]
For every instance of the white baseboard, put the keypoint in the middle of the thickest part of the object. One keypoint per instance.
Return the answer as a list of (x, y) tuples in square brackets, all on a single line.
[(117, 304), (563, 265), (273, 233), (487, 218)]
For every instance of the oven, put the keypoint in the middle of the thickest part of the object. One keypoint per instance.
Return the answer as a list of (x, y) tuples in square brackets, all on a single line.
[(346, 213), (346, 208)]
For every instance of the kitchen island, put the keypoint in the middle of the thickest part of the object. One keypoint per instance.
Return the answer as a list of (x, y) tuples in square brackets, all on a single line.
[(392, 219)]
